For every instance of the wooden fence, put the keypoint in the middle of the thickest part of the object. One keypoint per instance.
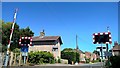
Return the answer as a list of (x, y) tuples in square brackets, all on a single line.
[(15, 59)]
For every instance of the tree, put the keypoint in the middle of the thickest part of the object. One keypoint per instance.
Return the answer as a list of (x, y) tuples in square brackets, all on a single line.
[(26, 32), (70, 55), (0, 35), (96, 52), (6, 29), (0, 47), (0, 31)]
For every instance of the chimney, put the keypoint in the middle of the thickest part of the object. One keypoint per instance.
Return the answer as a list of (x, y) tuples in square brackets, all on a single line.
[(42, 34)]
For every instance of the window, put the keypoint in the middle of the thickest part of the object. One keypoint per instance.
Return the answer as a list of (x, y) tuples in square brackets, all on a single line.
[(55, 49)]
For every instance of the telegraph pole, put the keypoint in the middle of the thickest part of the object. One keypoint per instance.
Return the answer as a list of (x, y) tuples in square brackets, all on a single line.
[(76, 42), (76, 49), (8, 47)]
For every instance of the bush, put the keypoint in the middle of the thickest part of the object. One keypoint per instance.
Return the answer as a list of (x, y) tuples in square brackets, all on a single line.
[(70, 55), (108, 64), (96, 61), (40, 57), (115, 61), (59, 60), (87, 60), (16, 50)]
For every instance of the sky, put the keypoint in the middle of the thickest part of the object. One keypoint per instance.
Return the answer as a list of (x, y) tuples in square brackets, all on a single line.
[(66, 19)]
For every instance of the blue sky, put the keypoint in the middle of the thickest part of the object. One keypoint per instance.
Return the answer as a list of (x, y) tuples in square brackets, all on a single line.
[(66, 19)]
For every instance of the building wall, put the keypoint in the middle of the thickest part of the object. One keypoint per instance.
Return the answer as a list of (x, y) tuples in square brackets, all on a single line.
[(117, 53), (88, 55), (82, 57), (48, 48), (93, 57)]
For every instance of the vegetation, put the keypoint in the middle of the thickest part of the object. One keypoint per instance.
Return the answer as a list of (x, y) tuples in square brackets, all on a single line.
[(16, 50), (70, 55), (95, 61), (87, 60), (96, 52), (40, 57), (59, 60), (6, 29), (0, 47), (115, 61), (0, 35)]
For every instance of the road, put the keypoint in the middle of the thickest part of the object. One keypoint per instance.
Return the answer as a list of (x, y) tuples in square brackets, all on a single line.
[(95, 65)]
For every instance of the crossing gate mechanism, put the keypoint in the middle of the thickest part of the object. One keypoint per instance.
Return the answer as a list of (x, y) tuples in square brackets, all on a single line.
[(102, 38)]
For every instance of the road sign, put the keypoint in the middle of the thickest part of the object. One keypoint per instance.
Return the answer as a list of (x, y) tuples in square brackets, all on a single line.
[(108, 53), (24, 53), (24, 48), (25, 42)]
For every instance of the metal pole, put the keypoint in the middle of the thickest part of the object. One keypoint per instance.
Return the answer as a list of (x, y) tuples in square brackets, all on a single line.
[(101, 52), (107, 48), (112, 49), (101, 55), (107, 51), (24, 60), (76, 49), (8, 47)]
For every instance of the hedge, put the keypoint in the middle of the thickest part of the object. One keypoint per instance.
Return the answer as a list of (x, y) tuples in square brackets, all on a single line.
[(40, 57)]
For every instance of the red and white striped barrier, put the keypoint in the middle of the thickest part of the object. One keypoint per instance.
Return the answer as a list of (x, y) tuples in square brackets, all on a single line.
[(30, 38), (104, 33)]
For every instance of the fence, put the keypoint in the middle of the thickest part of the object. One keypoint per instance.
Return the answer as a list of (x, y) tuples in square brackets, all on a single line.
[(15, 59)]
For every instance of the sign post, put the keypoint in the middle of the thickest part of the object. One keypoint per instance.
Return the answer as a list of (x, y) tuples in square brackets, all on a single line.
[(24, 50), (25, 42), (102, 38)]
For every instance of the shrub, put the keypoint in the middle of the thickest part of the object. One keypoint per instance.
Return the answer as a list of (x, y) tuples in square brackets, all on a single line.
[(40, 57), (115, 61), (87, 60), (59, 60), (70, 55), (108, 64), (96, 61)]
